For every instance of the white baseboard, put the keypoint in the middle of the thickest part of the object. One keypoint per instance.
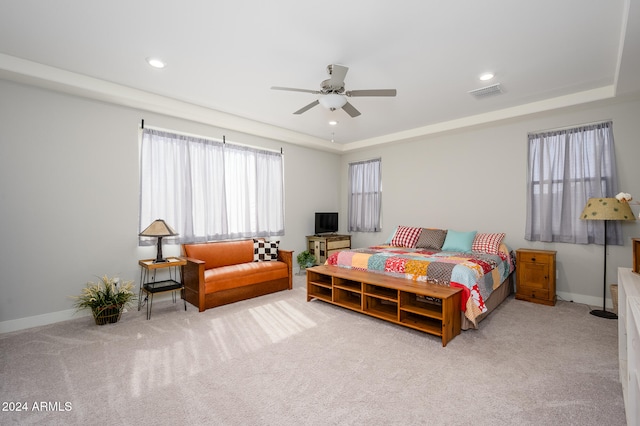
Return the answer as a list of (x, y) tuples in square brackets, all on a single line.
[(593, 302), (38, 320), (53, 317)]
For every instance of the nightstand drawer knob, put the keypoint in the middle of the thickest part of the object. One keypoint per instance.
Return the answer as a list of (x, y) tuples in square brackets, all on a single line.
[(533, 259)]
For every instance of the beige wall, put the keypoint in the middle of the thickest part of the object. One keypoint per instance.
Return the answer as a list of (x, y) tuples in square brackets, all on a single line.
[(69, 196), (475, 179)]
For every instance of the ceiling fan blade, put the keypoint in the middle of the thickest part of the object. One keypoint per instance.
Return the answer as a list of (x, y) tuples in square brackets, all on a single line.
[(308, 107), (338, 73), (374, 92), (291, 89), (350, 109)]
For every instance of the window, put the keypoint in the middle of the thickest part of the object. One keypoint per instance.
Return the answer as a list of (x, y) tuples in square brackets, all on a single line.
[(365, 196), (566, 168), (209, 190)]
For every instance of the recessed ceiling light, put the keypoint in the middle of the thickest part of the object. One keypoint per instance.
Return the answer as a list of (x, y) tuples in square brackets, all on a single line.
[(333, 123), (486, 76), (156, 63)]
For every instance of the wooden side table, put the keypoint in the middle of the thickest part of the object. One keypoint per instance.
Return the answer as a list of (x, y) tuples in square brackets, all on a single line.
[(150, 286), (536, 276)]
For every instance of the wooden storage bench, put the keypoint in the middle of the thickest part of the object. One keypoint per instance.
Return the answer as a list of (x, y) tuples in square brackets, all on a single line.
[(432, 308)]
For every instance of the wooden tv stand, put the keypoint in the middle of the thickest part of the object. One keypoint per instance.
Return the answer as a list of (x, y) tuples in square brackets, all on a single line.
[(432, 308)]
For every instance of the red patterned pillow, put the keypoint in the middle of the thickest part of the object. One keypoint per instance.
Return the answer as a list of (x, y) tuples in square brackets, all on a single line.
[(406, 236), (487, 243)]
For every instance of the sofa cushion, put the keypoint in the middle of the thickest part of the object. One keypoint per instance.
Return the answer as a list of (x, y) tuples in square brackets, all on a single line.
[(264, 251), (222, 253), (226, 277)]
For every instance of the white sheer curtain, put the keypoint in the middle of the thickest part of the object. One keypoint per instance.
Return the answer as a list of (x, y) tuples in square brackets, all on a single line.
[(365, 196), (566, 168), (207, 190)]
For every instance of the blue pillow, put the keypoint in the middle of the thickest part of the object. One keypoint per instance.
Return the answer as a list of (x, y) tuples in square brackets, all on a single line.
[(459, 241)]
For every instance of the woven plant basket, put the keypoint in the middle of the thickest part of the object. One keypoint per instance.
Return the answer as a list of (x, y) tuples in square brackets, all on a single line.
[(107, 314), (614, 297)]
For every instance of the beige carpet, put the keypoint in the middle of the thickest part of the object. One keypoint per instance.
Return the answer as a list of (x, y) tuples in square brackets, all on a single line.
[(278, 360)]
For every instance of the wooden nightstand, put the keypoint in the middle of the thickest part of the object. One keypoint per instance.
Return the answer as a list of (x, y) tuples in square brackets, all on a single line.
[(536, 276)]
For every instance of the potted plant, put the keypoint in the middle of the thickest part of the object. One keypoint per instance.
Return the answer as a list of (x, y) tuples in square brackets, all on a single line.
[(106, 299), (305, 260)]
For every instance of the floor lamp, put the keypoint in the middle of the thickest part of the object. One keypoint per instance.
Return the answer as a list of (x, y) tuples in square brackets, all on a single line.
[(605, 209)]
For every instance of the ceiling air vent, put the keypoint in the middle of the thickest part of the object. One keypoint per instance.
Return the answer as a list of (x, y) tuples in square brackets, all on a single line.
[(486, 91)]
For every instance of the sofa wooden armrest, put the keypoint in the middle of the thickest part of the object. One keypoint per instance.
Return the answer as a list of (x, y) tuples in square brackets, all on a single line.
[(286, 256), (193, 279)]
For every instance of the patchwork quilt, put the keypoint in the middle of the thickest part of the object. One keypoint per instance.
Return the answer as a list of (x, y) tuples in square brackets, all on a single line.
[(477, 274)]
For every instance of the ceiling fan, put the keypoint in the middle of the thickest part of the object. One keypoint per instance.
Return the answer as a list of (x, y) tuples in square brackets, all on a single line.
[(332, 93)]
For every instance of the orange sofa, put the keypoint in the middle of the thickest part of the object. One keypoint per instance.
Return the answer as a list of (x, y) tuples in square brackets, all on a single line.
[(224, 272)]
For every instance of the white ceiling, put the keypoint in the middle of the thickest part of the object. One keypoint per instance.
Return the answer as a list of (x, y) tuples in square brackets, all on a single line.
[(223, 57)]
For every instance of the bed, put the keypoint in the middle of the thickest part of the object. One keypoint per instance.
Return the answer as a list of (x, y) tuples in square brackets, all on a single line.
[(480, 264)]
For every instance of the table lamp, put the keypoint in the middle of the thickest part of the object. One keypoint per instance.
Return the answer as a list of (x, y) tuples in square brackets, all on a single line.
[(606, 209), (158, 229)]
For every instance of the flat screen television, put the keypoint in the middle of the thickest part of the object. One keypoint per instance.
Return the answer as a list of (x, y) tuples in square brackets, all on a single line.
[(326, 223)]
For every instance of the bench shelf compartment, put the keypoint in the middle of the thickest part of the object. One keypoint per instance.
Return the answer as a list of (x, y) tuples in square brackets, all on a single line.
[(431, 308)]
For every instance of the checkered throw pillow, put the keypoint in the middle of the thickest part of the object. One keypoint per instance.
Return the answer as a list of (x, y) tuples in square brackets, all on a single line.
[(487, 243), (406, 236), (265, 250)]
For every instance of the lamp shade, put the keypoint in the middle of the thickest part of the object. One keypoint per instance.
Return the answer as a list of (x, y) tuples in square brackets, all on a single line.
[(158, 228), (332, 101), (607, 209)]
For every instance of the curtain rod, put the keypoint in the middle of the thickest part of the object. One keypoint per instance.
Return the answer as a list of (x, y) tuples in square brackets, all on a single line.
[(557, 129), (367, 161), (193, 135)]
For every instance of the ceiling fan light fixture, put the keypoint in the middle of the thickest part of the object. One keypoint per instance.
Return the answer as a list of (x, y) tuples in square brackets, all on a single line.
[(332, 101), (332, 94)]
